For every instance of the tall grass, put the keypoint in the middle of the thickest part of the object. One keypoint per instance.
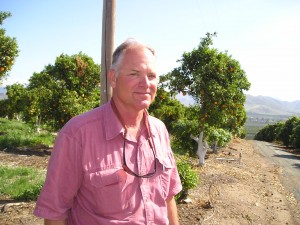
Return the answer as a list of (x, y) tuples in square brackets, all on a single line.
[(21, 183), (15, 134)]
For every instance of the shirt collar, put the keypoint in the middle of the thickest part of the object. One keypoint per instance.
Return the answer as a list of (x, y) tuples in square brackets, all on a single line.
[(113, 126)]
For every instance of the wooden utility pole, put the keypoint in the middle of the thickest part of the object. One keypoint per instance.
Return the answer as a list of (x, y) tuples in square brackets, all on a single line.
[(108, 32)]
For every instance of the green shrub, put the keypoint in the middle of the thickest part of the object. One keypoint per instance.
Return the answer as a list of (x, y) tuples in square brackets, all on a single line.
[(221, 136), (181, 142), (189, 176), (286, 131), (269, 133), (296, 136)]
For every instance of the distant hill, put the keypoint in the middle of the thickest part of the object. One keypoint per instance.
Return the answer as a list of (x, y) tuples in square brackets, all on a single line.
[(263, 110), (2, 90), (264, 105), (260, 105), (3, 93)]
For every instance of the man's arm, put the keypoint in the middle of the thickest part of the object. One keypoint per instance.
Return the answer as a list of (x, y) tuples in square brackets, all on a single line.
[(172, 211), (55, 222)]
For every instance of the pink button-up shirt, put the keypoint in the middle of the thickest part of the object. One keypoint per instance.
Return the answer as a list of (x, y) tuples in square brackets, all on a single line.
[(86, 182)]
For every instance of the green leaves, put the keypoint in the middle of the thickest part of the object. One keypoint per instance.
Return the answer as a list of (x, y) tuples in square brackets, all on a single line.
[(21, 183), (16, 101), (8, 50), (73, 87), (215, 81), (287, 132), (189, 177), (218, 135), (69, 87), (166, 108)]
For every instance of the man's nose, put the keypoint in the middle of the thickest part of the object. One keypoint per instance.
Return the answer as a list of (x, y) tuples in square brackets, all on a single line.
[(144, 80)]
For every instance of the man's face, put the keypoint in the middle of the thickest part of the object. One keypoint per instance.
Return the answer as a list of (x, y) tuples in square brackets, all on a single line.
[(135, 86)]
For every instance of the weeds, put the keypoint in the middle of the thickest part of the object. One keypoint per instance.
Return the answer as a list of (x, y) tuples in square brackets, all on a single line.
[(21, 183), (189, 176), (14, 134)]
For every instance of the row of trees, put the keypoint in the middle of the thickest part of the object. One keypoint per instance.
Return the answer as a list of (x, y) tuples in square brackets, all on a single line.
[(213, 79), (287, 132), (56, 94)]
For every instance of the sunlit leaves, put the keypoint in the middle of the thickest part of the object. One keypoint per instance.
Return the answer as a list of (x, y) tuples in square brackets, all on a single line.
[(69, 87), (16, 101), (73, 87), (166, 108), (8, 49), (215, 81)]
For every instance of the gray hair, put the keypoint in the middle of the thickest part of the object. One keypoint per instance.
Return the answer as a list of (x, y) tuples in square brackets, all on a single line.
[(118, 54)]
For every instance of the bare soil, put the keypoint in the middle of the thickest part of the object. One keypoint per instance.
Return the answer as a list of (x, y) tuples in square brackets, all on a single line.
[(238, 186)]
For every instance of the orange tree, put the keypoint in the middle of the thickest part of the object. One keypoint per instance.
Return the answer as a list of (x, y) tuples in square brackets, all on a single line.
[(8, 49), (216, 82), (286, 133), (166, 108), (16, 101), (37, 106), (69, 87)]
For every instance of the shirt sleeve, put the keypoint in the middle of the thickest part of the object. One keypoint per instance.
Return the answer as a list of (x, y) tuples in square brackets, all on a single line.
[(64, 176), (175, 183)]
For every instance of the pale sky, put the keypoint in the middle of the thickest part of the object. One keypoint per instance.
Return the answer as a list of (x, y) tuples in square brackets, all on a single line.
[(263, 35)]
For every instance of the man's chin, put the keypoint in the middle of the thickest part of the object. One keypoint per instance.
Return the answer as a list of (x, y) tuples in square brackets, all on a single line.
[(144, 104)]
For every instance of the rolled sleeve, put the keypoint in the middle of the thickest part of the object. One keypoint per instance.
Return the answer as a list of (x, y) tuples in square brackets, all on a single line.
[(175, 183)]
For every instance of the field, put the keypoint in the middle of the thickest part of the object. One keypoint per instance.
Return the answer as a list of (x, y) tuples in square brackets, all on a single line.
[(255, 122), (252, 129)]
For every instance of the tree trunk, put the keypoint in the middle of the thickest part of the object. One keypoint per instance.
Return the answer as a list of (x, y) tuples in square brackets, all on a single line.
[(18, 117), (215, 147), (202, 148), (38, 124)]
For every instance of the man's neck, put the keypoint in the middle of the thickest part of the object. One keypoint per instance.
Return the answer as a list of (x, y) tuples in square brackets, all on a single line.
[(130, 118)]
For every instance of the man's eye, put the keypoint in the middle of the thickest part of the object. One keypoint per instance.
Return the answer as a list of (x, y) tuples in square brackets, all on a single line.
[(152, 76)]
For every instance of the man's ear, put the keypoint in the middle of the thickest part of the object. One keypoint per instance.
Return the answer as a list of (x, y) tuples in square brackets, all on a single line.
[(112, 78)]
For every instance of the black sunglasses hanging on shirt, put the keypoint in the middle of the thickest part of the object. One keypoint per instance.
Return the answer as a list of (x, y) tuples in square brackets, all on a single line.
[(125, 167)]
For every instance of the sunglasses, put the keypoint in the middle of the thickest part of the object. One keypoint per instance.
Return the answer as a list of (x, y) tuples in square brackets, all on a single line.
[(125, 167), (129, 171)]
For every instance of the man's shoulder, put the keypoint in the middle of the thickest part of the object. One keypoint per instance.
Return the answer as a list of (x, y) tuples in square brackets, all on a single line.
[(89, 116), (156, 122), (86, 119)]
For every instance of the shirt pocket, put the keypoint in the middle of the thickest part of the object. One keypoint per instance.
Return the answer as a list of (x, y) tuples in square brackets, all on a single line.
[(109, 190), (165, 167)]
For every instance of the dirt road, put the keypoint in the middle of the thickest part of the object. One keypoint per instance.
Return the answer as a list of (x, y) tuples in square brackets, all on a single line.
[(289, 163)]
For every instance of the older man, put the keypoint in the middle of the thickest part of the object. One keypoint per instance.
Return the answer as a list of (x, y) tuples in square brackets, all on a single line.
[(114, 164)]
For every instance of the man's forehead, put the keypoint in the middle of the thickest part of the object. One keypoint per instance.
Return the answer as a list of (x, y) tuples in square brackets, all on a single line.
[(138, 50), (139, 56)]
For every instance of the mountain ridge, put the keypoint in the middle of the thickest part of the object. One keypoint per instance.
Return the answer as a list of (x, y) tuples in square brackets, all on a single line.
[(261, 105), (270, 106)]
